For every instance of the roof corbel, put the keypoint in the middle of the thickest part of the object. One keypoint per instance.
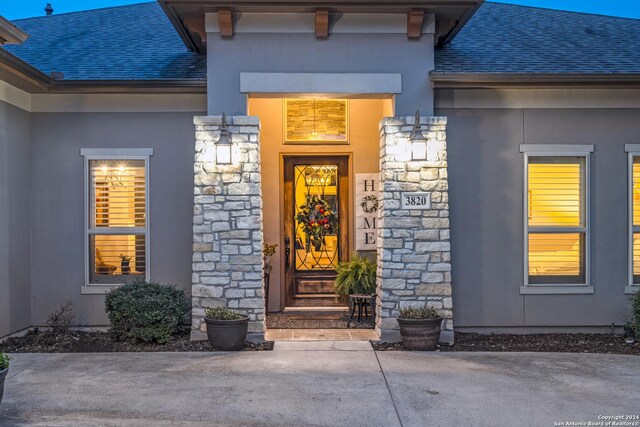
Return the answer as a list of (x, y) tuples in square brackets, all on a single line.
[(415, 18), (322, 23), (225, 21)]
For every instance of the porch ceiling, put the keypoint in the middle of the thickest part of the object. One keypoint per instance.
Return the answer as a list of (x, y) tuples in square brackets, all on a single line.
[(451, 15)]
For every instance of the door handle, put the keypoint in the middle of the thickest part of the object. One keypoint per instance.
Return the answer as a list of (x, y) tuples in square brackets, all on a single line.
[(287, 251)]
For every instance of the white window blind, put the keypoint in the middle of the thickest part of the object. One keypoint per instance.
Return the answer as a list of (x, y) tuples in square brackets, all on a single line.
[(635, 219), (117, 229), (556, 219)]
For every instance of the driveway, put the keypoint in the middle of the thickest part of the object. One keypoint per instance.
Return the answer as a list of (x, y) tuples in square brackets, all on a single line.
[(318, 384)]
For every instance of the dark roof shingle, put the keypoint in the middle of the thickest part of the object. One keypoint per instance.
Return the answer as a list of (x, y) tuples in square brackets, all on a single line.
[(504, 38), (135, 42)]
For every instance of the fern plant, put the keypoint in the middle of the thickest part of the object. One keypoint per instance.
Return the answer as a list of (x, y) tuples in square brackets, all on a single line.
[(357, 276), (4, 361)]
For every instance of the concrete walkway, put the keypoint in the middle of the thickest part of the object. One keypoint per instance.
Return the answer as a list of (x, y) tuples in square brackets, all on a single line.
[(318, 384)]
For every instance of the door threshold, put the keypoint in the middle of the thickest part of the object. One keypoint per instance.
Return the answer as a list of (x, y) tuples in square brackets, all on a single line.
[(321, 335), (315, 308)]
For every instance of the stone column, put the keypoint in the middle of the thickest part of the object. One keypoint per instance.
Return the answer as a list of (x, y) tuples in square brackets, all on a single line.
[(227, 224), (414, 258)]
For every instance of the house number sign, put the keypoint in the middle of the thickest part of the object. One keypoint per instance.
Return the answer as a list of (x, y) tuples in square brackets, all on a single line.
[(416, 201)]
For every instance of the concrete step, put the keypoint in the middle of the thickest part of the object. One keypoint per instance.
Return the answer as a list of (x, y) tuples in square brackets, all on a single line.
[(322, 346)]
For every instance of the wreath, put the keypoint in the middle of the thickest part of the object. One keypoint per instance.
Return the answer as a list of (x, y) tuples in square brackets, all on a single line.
[(317, 219), (369, 204)]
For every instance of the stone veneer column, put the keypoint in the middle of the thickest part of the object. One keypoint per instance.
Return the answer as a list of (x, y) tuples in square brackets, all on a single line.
[(227, 224), (414, 258)]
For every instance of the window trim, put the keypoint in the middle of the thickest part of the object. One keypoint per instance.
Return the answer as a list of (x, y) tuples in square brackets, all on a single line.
[(557, 150), (89, 154), (632, 150)]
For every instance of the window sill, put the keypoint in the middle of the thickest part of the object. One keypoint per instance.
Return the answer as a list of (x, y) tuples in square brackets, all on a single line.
[(630, 290), (97, 289), (556, 290)]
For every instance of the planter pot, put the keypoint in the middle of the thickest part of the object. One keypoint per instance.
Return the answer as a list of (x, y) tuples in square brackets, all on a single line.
[(227, 335), (3, 375), (420, 334)]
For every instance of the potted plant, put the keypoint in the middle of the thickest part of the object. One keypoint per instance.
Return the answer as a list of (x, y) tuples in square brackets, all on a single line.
[(420, 328), (4, 368), (226, 329), (124, 264), (267, 251), (356, 277)]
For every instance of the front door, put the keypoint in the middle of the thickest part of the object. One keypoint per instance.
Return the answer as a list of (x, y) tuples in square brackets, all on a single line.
[(316, 190)]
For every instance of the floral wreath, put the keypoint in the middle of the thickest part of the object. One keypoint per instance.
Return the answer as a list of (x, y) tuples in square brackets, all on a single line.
[(369, 204), (317, 218)]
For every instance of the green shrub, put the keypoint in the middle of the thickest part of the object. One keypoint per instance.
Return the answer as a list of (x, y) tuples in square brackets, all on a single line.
[(221, 313), (419, 313), (357, 276), (4, 361), (635, 314), (146, 312)]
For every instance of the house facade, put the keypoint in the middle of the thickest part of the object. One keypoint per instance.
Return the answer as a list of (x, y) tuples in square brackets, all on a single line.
[(169, 141)]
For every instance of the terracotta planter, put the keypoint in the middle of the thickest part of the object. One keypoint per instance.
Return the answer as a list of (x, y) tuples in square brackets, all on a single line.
[(420, 334), (227, 335), (3, 375)]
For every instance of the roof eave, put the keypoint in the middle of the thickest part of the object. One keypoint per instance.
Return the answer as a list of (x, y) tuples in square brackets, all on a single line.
[(183, 86), (10, 34), (443, 80), (178, 10)]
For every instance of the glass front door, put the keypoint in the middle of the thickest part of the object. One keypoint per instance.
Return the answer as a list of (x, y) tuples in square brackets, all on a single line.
[(316, 239)]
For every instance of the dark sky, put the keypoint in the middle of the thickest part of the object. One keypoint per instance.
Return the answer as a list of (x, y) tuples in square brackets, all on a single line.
[(16, 9)]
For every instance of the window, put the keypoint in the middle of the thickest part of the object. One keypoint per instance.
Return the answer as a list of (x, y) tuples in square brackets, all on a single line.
[(634, 217), (556, 218), (116, 215)]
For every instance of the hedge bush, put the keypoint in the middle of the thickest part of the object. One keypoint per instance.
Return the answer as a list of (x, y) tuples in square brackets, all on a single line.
[(635, 314), (147, 312)]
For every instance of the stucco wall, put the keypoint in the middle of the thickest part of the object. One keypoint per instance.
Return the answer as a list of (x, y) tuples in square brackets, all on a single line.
[(303, 53), (57, 201), (15, 178), (486, 185), (364, 147)]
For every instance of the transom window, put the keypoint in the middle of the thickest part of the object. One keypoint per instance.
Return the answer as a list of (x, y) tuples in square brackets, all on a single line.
[(116, 215), (556, 216)]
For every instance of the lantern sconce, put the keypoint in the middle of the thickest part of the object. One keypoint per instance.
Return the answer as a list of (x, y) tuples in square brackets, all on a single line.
[(418, 141), (224, 144)]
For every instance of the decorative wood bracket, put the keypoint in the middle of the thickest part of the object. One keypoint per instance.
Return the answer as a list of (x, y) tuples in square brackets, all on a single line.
[(415, 18), (196, 26), (225, 22), (322, 23)]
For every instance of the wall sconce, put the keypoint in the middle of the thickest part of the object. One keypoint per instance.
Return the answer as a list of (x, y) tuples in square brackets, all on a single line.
[(418, 141), (224, 144)]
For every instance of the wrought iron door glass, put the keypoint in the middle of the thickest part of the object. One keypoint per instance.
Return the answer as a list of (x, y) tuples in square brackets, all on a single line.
[(316, 244)]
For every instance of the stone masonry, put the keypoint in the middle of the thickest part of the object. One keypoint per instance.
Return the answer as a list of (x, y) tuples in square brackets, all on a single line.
[(414, 258), (227, 224)]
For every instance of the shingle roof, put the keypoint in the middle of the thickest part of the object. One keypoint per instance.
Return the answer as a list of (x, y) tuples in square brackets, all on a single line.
[(502, 38), (135, 42)]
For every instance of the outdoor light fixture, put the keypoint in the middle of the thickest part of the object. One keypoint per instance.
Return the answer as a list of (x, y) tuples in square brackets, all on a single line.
[(418, 141), (224, 144)]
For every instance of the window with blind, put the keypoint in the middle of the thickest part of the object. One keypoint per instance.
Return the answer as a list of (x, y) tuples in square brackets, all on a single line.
[(634, 218), (117, 229), (556, 224)]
